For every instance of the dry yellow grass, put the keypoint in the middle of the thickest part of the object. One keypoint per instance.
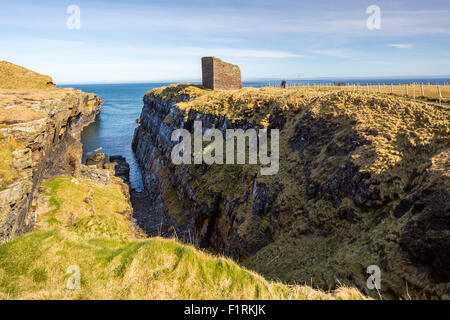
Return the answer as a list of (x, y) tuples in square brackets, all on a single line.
[(427, 92), (16, 77), (413, 91)]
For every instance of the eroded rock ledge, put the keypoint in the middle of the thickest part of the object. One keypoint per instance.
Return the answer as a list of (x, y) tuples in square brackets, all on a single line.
[(364, 180), (40, 138)]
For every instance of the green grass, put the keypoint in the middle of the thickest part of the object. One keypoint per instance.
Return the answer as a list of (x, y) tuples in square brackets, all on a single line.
[(115, 264), (35, 267)]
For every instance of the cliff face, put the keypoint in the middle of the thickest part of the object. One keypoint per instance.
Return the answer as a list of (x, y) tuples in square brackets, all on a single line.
[(40, 138), (363, 180)]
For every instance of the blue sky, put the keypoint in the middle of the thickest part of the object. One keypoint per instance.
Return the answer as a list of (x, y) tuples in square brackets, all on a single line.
[(138, 41)]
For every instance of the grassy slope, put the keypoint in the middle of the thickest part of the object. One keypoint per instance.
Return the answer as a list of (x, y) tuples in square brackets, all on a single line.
[(16, 77), (88, 225)]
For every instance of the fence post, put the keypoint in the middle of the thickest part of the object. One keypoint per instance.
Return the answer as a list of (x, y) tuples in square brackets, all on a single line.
[(414, 93), (406, 90), (440, 96), (423, 93), (392, 88)]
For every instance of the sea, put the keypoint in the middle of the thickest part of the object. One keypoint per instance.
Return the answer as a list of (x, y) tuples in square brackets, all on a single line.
[(113, 129)]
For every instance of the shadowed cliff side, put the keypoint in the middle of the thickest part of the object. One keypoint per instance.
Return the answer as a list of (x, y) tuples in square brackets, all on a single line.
[(363, 181)]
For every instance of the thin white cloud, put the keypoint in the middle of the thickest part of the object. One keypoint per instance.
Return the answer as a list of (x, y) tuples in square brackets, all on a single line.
[(337, 53), (239, 53), (401, 45), (205, 51)]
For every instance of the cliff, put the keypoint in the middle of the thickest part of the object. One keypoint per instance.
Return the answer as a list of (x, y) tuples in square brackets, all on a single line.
[(39, 138), (363, 180)]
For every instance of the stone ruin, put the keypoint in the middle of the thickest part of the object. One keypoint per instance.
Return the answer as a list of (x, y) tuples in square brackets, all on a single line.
[(220, 75)]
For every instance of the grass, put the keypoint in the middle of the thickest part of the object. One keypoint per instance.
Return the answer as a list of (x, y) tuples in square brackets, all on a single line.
[(177, 92), (87, 208), (413, 91), (16, 77), (250, 104), (116, 264), (430, 92)]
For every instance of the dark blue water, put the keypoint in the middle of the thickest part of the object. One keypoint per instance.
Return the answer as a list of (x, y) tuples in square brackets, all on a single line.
[(114, 127)]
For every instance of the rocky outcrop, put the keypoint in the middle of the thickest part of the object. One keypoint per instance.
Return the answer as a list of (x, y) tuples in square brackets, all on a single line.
[(363, 180), (40, 137), (118, 163)]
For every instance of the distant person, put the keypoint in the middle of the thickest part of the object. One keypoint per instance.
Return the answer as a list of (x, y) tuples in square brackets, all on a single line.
[(283, 84)]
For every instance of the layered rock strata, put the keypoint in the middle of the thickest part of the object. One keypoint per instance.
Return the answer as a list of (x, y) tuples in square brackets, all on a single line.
[(40, 138)]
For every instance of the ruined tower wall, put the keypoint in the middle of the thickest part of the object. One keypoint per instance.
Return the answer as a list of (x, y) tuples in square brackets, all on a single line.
[(218, 74)]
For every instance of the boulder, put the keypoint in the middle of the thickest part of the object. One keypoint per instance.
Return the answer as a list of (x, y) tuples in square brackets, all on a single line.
[(121, 168), (99, 160)]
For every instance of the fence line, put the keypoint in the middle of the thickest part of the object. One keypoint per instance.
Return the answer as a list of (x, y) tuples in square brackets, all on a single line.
[(438, 92)]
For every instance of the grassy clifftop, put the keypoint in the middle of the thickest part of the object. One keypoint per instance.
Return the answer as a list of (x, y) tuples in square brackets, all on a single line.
[(16, 77), (86, 223), (397, 129)]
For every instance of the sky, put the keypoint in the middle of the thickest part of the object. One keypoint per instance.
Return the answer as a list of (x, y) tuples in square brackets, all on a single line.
[(164, 40)]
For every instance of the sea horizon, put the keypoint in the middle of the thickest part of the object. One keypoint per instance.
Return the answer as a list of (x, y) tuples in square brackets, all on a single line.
[(248, 83)]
